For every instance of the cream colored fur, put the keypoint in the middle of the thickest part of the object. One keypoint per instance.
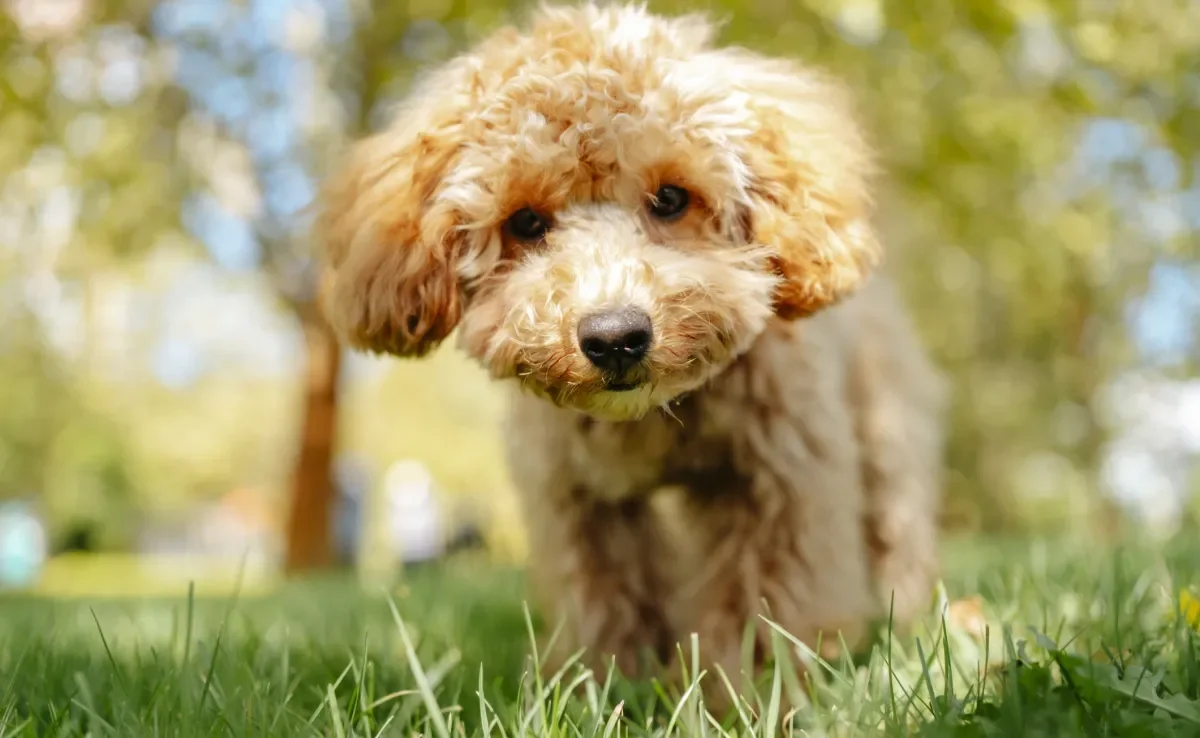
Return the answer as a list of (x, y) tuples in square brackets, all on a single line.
[(782, 451)]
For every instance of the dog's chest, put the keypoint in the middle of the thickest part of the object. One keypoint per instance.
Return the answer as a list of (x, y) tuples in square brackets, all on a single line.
[(619, 461)]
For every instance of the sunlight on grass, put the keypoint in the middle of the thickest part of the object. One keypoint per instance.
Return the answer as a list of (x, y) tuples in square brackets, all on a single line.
[(108, 575)]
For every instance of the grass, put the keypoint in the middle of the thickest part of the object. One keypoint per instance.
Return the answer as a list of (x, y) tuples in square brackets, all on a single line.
[(1078, 641)]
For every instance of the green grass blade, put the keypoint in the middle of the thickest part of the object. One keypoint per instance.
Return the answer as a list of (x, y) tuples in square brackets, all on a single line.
[(423, 685)]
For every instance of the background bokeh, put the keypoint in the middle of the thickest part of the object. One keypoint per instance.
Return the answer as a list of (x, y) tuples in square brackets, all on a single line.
[(168, 393)]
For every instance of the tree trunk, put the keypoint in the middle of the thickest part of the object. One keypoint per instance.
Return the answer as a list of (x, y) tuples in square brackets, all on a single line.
[(309, 529)]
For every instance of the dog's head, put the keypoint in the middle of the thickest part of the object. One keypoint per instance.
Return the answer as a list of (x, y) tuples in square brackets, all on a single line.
[(607, 207)]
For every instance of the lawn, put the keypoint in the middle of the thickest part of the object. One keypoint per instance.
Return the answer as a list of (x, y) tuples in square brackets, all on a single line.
[(1078, 640)]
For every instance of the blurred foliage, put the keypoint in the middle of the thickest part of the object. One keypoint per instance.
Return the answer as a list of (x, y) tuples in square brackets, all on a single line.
[(1040, 160), (1020, 251)]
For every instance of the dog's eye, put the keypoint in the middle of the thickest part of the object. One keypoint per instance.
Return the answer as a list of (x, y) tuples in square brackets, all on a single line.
[(527, 225), (669, 202)]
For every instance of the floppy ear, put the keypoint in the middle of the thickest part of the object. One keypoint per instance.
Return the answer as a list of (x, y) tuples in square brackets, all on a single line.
[(808, 195), (391, 282)]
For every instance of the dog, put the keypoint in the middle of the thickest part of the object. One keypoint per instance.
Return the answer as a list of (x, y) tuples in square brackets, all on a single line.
[(723, 414)]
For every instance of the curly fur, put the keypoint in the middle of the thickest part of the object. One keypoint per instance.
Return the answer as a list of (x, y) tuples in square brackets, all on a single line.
[(786, 414)]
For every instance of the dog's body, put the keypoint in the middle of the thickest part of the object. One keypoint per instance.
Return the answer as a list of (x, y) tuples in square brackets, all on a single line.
[(801, 480), (666, 245)]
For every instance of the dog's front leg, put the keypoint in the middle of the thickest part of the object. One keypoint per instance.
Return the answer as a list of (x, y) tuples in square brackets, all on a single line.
[(785, 548), (597, 566)]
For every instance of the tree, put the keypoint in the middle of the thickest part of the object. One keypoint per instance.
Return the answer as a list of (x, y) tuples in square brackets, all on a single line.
[(350, 54)]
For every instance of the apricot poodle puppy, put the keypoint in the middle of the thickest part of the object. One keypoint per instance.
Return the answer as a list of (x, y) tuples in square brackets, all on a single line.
[(665, 246)]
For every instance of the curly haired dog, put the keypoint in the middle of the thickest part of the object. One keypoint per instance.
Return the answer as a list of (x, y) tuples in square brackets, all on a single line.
[(666, 245)]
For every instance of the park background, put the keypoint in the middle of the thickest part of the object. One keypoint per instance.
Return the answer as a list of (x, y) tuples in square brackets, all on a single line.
[(169, 393), (187, 458)]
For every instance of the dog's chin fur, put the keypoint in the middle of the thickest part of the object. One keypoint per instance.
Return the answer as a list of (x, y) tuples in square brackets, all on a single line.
[(612, 406), (807, 450), (616, 406)]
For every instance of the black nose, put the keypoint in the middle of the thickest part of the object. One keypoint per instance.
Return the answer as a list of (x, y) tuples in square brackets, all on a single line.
[(615, 341)]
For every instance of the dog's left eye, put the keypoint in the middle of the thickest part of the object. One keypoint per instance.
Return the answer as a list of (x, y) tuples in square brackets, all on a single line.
[(669, 202), (528, 225)]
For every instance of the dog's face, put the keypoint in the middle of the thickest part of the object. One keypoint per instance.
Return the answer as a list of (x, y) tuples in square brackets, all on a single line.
[(606, 207)]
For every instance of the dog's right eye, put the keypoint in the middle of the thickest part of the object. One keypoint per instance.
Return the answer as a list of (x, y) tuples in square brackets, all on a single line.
[(527, 225), (669, 202)]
